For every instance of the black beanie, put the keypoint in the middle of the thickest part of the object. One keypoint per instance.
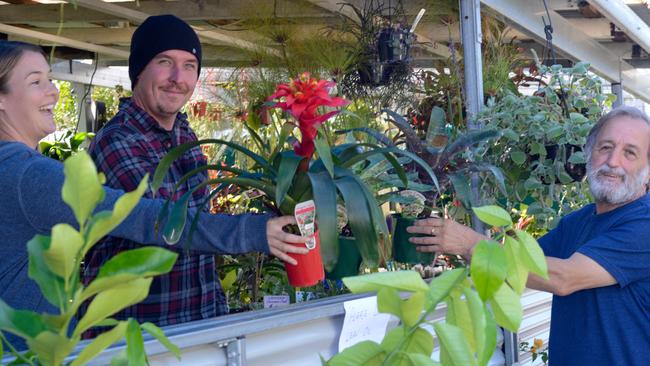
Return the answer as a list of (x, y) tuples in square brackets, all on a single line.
[(160, 33)]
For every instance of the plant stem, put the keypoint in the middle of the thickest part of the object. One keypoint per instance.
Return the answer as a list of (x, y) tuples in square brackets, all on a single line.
[(18, 355)]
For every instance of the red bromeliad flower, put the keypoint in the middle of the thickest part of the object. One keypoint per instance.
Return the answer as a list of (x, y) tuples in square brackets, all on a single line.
[(302, 97)]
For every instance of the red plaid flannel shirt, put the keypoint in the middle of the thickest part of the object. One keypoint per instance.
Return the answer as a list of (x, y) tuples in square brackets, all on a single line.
[(127, 148)]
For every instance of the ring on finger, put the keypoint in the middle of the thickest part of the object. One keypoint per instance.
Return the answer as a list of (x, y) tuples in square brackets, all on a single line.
[(433, 231)]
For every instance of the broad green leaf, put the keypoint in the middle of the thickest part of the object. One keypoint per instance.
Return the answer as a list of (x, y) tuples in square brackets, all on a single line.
[(177, 219), (490, 344), (289, 162), (417, 359), (417, 341), (460, 312), (577, 157), (506, 306), (120, 359), (52, 286), (24, 323), (325, 202), (399, 280), (461, 188), (82, 190), (493, 215), (453, 345), (160, 337), (409, 311), (365, 353), (484, 329), (517, 272), (135, 344), (51, 348), (532, 254), (518, 157), (488, 269), (109, 302), (229, 280), (100, 343), (105, 223), (359, 219), (130, 265), (64, 248), (440, 286), (144, 261), (324, 153)]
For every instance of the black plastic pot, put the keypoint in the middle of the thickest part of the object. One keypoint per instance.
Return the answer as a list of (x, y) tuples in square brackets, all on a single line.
[(403, 250), (348, 261)]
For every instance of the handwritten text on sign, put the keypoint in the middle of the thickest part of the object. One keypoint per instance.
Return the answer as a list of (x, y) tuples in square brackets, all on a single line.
[(362, 322)]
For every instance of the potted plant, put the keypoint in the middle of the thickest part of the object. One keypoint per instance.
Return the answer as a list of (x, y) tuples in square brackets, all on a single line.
[(54, 263), (311, 170), (349, 258), (542, 135), (412, 209)]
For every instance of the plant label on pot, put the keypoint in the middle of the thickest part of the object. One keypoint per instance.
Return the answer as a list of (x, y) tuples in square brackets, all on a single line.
[(305, 213)]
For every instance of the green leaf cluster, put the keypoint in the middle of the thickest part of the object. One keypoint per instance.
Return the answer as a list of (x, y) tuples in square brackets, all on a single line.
[(477, 300), (54, 264)]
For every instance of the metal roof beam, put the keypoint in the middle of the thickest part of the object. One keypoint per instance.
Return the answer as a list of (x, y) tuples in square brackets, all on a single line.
[(527, 15), (40, 36)]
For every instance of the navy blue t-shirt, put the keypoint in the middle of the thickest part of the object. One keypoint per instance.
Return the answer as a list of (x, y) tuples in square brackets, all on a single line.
[(607, 325)]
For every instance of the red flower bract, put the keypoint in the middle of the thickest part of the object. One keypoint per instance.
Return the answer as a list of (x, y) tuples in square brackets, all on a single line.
[(302, 97)]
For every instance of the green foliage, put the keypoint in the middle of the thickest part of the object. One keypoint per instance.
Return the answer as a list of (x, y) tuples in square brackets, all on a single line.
[(65, 145), (539, 149), (65, 111), (54, 264), (477, 301)]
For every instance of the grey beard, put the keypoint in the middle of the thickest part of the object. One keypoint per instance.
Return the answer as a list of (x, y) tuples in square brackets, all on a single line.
[(615, 195)]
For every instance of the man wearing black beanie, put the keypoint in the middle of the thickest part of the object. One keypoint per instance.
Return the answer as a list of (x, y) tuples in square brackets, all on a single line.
[(164, 66)]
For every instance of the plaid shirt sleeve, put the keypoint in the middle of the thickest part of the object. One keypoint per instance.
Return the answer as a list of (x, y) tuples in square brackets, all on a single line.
[(122, 159)]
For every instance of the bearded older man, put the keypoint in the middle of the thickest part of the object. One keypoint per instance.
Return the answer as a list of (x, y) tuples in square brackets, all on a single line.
[(598, 257)]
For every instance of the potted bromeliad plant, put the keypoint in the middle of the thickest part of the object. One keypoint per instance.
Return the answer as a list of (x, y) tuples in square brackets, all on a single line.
[(312, 169), (412, 209), (54, 264)]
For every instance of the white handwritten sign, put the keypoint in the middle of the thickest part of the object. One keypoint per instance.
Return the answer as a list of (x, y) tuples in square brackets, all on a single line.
[(362, 322)]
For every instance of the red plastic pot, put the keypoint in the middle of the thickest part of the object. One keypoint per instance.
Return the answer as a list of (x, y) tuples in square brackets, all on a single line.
[(309, 270)]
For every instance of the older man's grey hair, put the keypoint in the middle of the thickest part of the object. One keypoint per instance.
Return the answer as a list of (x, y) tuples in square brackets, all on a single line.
[(623, 111)]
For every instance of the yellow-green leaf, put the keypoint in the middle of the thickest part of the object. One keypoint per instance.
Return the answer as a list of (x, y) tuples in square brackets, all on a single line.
[(100, 343), (82, 190), (401, 280), (462, 319), (488, 268), (493, 215), (64, 249), (453, 345), (105, 222), (506, 306), (111, 301), (51, 348), (440, 286), (532, 254), (419, 341), (363, 353), (160, 337), (517, 272)]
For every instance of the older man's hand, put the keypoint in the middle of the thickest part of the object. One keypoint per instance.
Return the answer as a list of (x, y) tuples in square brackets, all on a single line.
[(444, 236), (280, 242)]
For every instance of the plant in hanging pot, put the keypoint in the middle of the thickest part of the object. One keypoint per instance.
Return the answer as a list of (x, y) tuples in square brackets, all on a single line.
[(542, 135), (309, 170)]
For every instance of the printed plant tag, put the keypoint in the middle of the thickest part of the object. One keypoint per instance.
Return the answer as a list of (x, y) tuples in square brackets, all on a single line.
[(305, 213)]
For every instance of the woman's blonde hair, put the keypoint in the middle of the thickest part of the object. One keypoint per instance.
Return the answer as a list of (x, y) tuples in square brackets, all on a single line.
[(10, 53)]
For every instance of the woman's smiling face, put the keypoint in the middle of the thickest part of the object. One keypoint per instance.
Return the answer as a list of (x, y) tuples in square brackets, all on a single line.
[(27, 107)]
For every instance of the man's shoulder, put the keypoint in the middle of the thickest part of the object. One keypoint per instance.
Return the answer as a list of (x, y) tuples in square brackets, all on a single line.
[(118, 128)]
